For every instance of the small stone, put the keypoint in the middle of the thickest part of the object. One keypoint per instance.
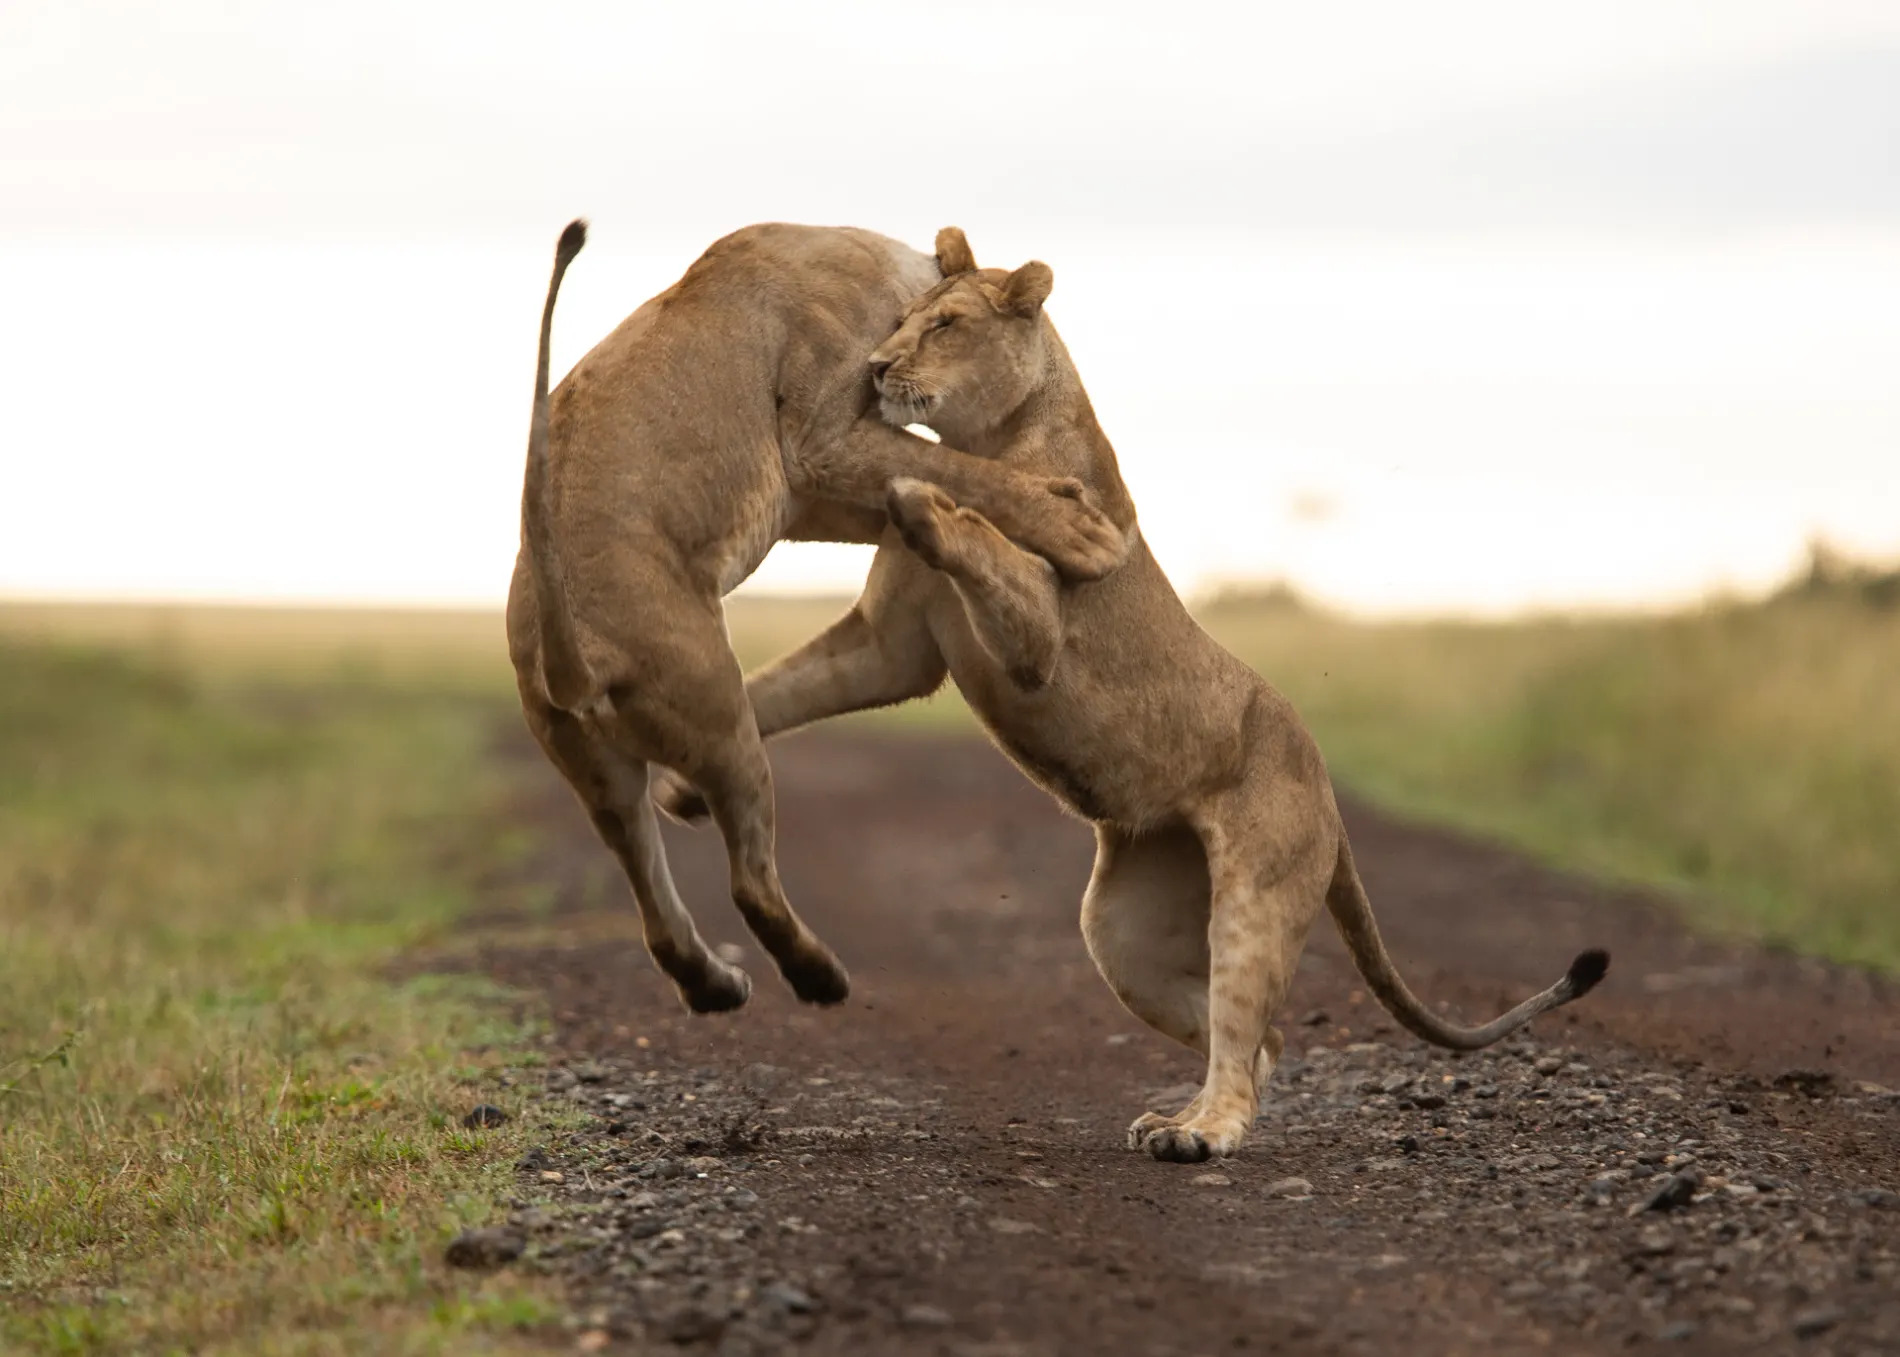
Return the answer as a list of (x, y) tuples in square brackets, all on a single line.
[(1679, 1331), (1408, 1144), (1211, 1180), (553, 1176), (1429, 1102), (1879, 1197), (690, 1324), (1394, 1082), (484, 1114), (1290, 1187), (1004, 1225), (787, 1297), (924, 1317), (593, 1340), (1317, 1018), (1814, 1083), (1674, 1194), (1655, 1242), (1549, 1064), (490, 1247), (1813, 1323)]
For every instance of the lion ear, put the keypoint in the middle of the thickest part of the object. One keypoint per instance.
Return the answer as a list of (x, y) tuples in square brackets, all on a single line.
[(953, 252), (1028, 288)]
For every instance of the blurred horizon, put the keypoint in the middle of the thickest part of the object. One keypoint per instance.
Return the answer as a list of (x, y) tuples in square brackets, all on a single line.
[(1478, 311)]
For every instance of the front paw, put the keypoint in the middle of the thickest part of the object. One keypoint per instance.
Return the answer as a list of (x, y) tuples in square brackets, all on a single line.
[(1194, 1140), (677, 798), (922, 513), (1075, 535), (1146, 1125)]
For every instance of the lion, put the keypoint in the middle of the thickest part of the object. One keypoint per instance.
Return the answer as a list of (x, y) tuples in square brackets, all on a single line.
[(1217, 832), (726, 414)]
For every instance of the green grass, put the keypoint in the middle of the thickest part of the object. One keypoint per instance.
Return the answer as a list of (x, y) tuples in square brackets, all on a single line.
[(223, 1126), (1745, 758)]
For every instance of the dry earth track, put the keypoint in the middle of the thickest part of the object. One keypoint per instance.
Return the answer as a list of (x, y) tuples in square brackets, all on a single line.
[(937, 1167)]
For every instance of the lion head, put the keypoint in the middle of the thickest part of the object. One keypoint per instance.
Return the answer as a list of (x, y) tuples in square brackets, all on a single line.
[(968, 352)]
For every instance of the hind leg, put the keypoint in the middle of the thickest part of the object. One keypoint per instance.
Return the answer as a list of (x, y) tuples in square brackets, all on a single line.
[(675, 692), (1264, 897), (1144, 921), (613, 790), (879, 653), (736, 782)]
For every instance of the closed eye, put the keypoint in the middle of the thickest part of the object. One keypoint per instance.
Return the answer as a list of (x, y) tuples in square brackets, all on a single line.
[(941, 321)]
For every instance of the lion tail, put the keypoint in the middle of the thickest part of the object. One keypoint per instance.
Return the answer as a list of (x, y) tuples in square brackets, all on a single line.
[(563, 668), (1352, 912)]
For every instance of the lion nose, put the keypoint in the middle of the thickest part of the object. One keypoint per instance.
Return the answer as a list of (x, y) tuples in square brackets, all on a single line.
[(879, 366)]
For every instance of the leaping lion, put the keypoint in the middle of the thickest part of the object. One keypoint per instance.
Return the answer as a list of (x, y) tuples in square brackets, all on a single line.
[(729, 412), (1217, 834)]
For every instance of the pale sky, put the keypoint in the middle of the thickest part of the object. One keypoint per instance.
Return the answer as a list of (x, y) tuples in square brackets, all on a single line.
[(1459, 307)]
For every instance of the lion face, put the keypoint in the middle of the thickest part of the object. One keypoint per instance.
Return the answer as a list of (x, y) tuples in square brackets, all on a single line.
[(967, 353)]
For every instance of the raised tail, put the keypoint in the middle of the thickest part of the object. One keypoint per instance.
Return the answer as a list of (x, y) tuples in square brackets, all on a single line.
[(563, 669), (1352, 912)]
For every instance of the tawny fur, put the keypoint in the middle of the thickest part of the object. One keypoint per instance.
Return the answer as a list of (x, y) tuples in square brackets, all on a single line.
[(1218, 838), (726, 414)]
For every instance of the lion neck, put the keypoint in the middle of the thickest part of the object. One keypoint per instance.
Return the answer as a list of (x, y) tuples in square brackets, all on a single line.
[(1054, 431)]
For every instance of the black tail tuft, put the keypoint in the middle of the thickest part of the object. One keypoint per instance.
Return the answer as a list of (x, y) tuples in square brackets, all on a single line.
[(572, 238), (1589, 968)]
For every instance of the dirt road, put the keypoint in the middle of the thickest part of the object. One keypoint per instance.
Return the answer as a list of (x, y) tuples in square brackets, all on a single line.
[(938, 1166)]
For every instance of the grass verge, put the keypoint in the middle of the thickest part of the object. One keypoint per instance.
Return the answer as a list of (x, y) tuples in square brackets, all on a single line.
[(1744, 758), (222, 1127)]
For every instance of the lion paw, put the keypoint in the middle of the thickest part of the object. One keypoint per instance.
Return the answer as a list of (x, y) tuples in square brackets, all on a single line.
[(818, 977), (923, 515), (1148, 1124), (1191, 1142), (1178, 1145), (677, 798), (718, 988), (1080, 540)]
